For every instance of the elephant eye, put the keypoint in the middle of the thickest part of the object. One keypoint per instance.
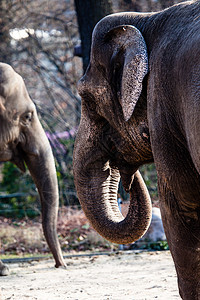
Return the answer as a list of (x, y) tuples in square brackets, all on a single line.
[(26, 118)]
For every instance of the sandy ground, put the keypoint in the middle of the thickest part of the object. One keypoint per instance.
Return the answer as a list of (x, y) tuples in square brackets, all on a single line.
[(123, 276)]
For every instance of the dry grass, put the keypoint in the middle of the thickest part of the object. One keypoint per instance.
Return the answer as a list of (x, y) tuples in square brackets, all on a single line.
[(21, 237), (74, 231)]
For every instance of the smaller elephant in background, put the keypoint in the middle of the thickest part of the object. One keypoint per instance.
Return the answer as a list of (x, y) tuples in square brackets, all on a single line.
[(141, 103), (23, 141)]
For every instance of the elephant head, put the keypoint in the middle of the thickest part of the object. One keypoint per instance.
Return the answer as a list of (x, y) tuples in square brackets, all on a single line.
[(23, 140), (113, 138)]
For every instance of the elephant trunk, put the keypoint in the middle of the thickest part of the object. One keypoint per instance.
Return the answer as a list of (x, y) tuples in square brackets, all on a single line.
[(97, 187), (41, 165)]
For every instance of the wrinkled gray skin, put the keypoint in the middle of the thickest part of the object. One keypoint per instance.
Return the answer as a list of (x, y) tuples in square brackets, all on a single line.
[(141, 102), (22, 139)]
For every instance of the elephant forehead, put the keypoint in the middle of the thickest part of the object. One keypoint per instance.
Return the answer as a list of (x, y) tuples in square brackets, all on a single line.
[(101, 54), (7, 74), (92, 82), (16, 96), (12, 84), (6, 71)]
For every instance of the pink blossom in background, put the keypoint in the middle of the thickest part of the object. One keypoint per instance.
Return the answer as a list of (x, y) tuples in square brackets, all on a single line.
[(55, 137)]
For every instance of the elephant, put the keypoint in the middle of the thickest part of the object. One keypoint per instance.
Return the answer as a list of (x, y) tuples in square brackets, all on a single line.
[(141, 104), (23, 141)]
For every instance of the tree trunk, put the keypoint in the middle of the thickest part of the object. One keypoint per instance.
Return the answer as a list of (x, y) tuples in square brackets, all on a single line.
[(130, 5), (5, 53), (89, 12)]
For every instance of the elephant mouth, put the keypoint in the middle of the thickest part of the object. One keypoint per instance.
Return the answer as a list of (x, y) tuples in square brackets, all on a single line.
[(117, 161), (17, 158), (13, 154), (5, 154)]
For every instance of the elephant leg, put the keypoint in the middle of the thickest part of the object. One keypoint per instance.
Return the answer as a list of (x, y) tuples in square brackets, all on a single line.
[(182, 228), (4, 270)]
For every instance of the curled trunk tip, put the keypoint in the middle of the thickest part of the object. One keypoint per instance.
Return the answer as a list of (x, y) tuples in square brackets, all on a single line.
[(97, 193)]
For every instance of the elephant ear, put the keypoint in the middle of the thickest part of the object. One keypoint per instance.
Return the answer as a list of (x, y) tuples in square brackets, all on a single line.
[(128, 65)]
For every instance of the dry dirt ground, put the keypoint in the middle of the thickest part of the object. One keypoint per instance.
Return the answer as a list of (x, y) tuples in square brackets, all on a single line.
[(122, 276)]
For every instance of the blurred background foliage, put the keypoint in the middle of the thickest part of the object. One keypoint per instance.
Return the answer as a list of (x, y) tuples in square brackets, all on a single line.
[(20, 198), (48, 43)]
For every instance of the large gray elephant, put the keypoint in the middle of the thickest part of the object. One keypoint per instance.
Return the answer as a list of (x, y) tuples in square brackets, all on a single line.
[(141, 103), (22, 139)]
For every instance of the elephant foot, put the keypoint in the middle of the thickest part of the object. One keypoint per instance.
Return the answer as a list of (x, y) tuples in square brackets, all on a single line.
[(4, 270), (63, 266)]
